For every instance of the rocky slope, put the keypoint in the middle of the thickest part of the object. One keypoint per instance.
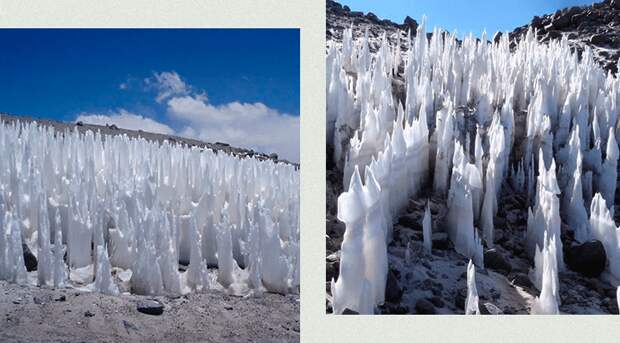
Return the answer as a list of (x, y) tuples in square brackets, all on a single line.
[(596, 26), (425, 283), (37, 314)]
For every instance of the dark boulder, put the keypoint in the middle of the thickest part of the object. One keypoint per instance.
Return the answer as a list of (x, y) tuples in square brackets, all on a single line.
[(441, 241), (561, 19), (460, 297), (356, 14), (496, 261), (537, 22), (410, 24), (600, 39), (410, 221), (372, 17), (152, 307), (393, 292), (348, 311), (423, 306), (29, 259), (588, 258), (332, 270), (497, 36)]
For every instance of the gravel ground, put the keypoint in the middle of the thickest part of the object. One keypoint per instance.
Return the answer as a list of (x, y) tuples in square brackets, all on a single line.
[(35, 314)]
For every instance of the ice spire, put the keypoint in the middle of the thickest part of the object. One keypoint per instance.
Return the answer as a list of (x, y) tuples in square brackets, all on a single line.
[(60, 268), (471, 303), (348, 291), (375, 249), (604, 230), (44, 255), (103, 279), (197, 273), (609, 174), (547, 303)]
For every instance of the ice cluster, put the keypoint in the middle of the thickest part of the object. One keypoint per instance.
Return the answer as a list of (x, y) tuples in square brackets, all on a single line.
[(462, 119), (117, 214)]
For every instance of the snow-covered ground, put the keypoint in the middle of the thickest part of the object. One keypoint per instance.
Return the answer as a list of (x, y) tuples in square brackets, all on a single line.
[(511, 145), (120, 214)]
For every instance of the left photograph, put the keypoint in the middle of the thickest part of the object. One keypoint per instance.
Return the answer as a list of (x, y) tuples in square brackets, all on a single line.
[(149, 185)]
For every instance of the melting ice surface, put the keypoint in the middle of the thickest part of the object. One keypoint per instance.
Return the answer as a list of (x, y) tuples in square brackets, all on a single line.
[(471, 116), (117, 214)]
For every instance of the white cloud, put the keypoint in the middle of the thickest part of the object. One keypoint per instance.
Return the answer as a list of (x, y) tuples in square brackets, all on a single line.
[(245, 125), (126, 120), (167, 84), (254, 126)]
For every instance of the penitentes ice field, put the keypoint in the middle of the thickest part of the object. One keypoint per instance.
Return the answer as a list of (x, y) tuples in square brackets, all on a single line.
[(473, 117), (116, 214)]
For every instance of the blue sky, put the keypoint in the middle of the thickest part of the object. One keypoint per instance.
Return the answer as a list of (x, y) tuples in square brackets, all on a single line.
[(212, 84), (464, 16)]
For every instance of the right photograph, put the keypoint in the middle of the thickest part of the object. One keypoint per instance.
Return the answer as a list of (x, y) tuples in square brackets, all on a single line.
[(472, 171)]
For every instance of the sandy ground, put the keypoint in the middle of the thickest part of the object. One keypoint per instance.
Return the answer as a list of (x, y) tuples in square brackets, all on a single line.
[(35, 314)]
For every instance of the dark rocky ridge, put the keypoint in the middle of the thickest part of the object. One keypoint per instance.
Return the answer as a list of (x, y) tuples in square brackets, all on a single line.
[(154, 137), (340, 17), (596, 25)]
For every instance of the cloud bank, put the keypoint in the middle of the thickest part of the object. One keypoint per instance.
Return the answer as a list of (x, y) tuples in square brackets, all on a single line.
[(246, 125), (254, 125)]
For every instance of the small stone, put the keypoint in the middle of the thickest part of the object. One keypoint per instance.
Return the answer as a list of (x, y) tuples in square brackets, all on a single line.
[(61, 298), (348, 311), (599, 39), (489, 308), (129, 325), (152, 307), (423, 306), (588, 258), (89, 314), (39, 300)]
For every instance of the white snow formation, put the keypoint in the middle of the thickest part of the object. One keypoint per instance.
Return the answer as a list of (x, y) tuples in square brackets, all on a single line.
[(129, 212), (471, 303), (459, 118)]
